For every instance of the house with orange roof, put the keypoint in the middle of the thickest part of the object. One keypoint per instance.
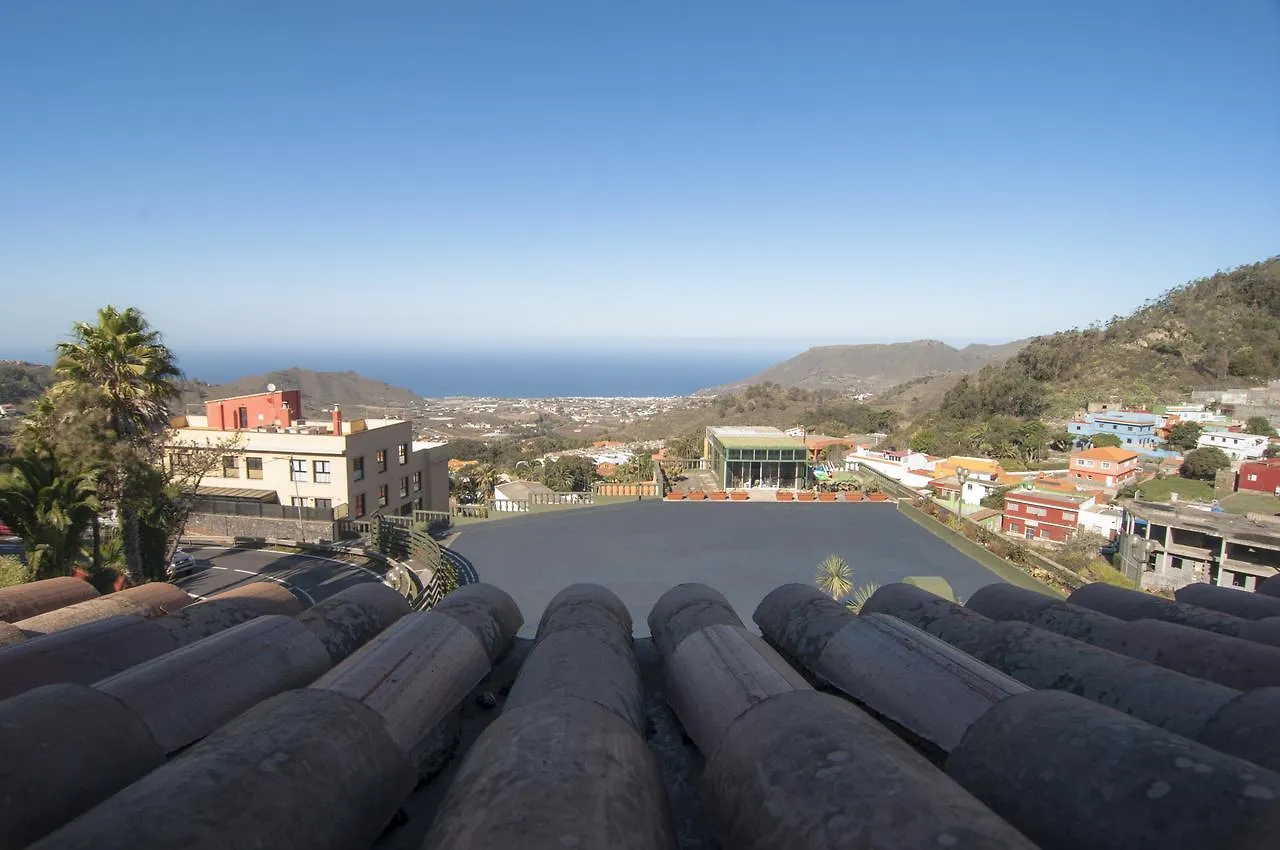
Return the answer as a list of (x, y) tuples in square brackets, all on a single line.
[(1107, 467)]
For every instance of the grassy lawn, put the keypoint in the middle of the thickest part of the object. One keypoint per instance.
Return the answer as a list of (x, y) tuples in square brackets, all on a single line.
[(1251, 503), (1188, 489)]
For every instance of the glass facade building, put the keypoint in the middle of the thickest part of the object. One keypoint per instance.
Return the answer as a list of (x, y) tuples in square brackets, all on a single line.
[(745, 457)]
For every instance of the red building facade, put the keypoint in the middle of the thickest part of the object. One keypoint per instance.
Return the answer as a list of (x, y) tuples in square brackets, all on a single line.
[(1262, 476), (281, 408), (1040, 516)]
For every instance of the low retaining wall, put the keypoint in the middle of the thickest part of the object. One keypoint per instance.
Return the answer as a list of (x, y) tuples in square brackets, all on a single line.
[(225, 525)]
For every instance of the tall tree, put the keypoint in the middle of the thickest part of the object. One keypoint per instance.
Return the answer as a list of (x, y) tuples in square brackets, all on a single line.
[(1184, 435), (1204, 463), (125, 359), (1260, 426), (1101, 441), (50, 508)]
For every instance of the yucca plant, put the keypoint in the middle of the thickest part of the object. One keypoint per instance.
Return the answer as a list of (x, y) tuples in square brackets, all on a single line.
[(835, 577), (860, 596)]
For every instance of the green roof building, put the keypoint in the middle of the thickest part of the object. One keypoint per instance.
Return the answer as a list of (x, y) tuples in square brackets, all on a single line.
[(743, 456)]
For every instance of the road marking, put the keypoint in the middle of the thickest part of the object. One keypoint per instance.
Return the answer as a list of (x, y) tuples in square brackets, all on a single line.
[(246, 572), (310, 599)]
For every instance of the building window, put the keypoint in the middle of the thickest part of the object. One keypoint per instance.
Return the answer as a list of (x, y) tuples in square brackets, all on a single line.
[(320, 471), (1044, 533), (357, 468), (417, 481), (1068, 516), (381, 459), (230, 466), (1013, 507), (404, 486), (359, 505), (298, 501), (1037, 511), (1252, 477), (1237, 580), (324, 504), (253, 468), (382, 495), (402, 453), (1106, 465), (297, 469)]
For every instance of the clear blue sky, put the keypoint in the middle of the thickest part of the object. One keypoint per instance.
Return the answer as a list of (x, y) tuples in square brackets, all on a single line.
[(387, 175)]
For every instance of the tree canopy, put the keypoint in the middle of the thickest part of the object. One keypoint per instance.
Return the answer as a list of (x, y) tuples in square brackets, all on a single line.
[(1260, 426), (1184, 435), (1203, 464)]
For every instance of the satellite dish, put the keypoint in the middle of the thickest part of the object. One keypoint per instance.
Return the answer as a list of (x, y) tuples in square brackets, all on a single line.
[(271, 388)]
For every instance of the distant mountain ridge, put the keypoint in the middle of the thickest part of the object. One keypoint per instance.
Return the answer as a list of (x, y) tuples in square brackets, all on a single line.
[(359, 395), (874, 368)]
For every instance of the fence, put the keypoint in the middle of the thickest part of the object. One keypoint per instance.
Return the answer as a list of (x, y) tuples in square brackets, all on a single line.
[(643, 489), (230, 507), (887, 484), (401, 538)]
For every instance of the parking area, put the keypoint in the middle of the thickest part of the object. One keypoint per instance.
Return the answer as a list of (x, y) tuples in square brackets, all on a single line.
[(639, 550)]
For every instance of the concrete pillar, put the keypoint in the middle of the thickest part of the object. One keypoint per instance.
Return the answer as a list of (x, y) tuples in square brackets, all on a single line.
[(490, 613), (186, 694), (1002, 602), (23, 601), (718, 673), (305, 769), (799, 619), (585, 605), (1070, 773), (1248, 727), (1228, 600), (82, 654), (1270, 586), (683, 610), (149, 600), (63, 750), (1044, 660), (221, 612), (808, 771), (1136, 605), (350, 618), (590, 664), (1227, 660), (563, 772), (414, 675)]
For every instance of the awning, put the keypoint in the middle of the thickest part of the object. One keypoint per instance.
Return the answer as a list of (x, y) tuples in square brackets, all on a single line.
[(245, 493)]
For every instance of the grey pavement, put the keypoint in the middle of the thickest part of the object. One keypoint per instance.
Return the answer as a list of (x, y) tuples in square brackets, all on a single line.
[(310, 577), (639, 550)]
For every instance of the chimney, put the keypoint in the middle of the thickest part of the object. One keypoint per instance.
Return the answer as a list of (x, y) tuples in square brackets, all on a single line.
[(337, 421)]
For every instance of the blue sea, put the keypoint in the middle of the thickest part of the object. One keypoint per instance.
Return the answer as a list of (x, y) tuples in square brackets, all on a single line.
[(514, 374)]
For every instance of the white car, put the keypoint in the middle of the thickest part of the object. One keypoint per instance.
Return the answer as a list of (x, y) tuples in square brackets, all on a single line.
[(181, 564)]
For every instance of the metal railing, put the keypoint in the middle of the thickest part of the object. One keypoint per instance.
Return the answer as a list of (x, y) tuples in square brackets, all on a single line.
[(229, 507)]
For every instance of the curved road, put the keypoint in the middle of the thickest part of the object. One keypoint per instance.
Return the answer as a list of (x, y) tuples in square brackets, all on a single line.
[(310, 577)]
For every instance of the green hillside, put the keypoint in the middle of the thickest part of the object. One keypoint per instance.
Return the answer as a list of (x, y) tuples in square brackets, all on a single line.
[(1214, 332)]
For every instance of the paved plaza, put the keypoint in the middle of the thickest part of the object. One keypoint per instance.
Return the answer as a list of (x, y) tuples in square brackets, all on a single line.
[(640, 550)]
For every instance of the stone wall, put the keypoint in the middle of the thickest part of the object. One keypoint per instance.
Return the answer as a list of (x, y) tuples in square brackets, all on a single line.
[(225, 525)]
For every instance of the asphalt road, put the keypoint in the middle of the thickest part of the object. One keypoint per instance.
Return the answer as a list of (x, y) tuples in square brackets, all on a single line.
[(639, 550), (310, 577)]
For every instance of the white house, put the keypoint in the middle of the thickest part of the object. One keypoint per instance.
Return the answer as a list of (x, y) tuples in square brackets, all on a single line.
[(514, 495), (1101, 519), (1236, 446)]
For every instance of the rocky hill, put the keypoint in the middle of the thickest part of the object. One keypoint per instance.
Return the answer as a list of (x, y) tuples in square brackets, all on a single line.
[(22, 382), (358, 395), (1215, 332), (873, 368)]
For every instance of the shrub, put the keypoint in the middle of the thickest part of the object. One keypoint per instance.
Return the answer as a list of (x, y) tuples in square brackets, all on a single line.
[(1101, 571), (13, 571)]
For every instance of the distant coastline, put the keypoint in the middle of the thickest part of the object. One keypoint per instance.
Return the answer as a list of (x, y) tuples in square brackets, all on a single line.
[(535, 374)]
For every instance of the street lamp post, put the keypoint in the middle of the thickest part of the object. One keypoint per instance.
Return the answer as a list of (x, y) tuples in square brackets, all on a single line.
[(962, 475)]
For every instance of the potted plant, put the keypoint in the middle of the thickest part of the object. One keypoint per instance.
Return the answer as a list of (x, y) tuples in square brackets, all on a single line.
[(719, 496), (676, 496), (696, 495), (827, 496), (784, 496), (806, 496), (739, 496), (875, 494), (853, 495)]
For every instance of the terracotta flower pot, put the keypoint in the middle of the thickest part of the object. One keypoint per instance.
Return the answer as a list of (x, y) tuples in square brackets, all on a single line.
[(827, 497), (719, 496), (877, 497), (738, 496), (696, 495), (676, 496), (853, 496), (784, 496), (806, 496)]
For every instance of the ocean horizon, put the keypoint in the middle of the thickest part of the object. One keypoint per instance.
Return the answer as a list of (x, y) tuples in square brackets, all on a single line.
[(517, 374)]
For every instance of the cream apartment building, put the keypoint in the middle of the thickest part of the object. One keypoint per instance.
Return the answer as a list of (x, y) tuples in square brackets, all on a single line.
[(268, 453)]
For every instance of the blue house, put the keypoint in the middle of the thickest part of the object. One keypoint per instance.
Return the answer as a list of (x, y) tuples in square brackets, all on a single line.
[(1135, 430)]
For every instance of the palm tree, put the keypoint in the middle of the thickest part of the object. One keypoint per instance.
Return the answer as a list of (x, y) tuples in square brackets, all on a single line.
[(50, 508), (485, 476), (835, 578), (124, 359)]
